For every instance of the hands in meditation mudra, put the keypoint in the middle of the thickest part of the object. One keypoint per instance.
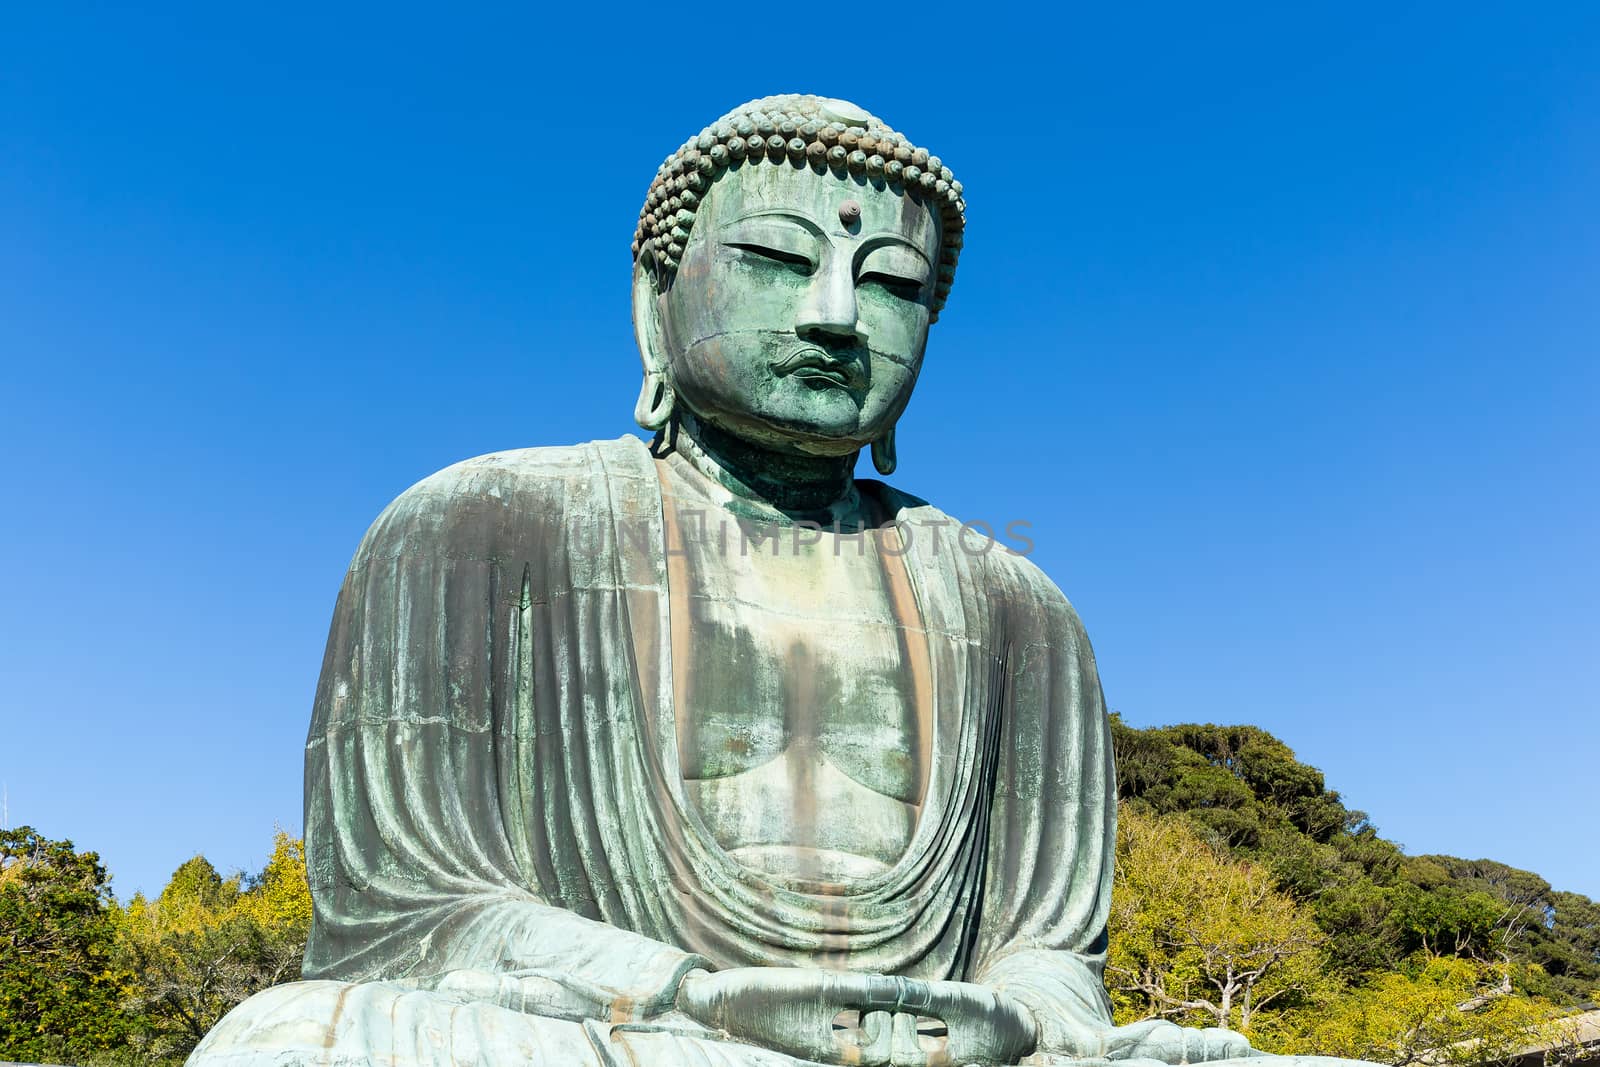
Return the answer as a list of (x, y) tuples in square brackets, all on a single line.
[(705, 752)]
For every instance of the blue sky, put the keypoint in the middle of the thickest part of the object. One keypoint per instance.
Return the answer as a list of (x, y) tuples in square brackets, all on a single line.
[(1279, 325)]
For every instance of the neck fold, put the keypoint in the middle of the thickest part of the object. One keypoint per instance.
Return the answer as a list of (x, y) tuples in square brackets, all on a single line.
[(788, 483)]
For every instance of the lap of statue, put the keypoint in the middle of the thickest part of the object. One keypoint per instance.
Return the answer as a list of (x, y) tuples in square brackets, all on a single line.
[(343, 1024), (402, 1024)]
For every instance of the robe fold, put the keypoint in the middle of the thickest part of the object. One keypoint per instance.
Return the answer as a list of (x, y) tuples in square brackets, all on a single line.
[(493, 787)]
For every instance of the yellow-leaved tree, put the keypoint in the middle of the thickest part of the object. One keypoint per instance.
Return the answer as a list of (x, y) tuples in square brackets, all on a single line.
[(1201, 938), (1436, 1010), (1205, 938), (208, 942)]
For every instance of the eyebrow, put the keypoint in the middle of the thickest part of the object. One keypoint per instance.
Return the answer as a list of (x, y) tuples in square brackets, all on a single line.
[(872, 242), (781, 215), (868, 242)]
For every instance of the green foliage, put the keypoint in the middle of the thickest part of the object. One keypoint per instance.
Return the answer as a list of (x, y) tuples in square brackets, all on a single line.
[(1244, 789), (85, 981), (1199, 937), (1440, 1010), (1443, 916), (1560, 932), (1239, 782), (59, 983), (1203, 937), (1566, 943), (1433, 957), (208, 942)]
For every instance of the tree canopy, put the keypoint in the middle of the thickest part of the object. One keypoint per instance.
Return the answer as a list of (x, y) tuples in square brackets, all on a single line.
[(60, 984), (1200, 938), (86, 980), (1245, 792), (208, 942)]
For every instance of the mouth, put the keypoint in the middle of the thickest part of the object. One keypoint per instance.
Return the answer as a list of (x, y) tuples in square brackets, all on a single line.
[(817, 369)]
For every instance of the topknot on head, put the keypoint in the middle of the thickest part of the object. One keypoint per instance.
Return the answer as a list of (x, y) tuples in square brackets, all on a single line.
[(797, 130)]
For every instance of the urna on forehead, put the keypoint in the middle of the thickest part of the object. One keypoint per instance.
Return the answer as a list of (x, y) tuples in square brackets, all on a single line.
[(802, 132)]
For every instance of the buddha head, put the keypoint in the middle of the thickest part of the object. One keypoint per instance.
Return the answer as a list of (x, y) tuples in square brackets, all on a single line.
[(788, 262)]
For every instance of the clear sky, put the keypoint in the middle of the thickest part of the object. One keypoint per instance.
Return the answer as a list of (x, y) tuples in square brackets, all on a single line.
[(1278, 323)]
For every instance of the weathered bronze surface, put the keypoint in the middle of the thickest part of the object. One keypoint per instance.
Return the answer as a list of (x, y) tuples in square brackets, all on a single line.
[(707, 752)]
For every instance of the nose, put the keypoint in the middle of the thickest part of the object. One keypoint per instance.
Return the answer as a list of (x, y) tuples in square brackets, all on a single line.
[(829, 316)]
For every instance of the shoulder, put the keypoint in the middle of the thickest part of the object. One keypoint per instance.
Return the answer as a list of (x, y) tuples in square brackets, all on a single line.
[(518, 473), (1039, 621), (474, 507), (1024, 585), (1001, 562)]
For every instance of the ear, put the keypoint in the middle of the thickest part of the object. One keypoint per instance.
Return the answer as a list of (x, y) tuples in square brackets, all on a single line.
[(657, 399), (648, 329)]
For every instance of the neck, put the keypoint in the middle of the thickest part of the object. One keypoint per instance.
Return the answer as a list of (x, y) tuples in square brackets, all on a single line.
[(781, 480)]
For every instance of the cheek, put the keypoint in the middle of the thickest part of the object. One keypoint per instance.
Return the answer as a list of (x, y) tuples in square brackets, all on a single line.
[(899, 333), (761, 296), (723, 371), (686, 307), (897, 328), (892, 381), (761, 300), (703, 357)]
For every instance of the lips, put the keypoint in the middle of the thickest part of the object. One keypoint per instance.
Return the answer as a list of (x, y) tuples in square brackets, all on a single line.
[(813, 365), (823, 374)]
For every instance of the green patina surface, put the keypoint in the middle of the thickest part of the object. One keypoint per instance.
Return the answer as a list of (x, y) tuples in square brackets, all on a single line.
[(590, 781)]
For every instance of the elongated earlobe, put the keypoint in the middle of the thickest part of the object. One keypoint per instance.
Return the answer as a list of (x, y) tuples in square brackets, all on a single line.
[(656, 401), (883, 457)]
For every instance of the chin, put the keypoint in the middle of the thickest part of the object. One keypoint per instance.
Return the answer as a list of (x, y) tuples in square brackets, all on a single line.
[(801, 432)]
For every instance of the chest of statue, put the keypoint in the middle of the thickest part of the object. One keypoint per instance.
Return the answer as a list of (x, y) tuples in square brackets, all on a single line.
[(799, 736)]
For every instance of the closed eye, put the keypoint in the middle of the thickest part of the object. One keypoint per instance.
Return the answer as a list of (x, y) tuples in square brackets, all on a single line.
[(793, 260), (904, 288)]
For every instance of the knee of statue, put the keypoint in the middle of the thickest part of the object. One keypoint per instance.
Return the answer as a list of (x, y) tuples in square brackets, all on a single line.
[(704, 750)]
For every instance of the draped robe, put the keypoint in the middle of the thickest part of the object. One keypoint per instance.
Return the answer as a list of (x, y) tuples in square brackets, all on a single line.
[(504, 863)]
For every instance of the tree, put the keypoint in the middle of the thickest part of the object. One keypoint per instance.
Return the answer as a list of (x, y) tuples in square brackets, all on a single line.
[(278, 900), (1437, 1010), (1248, 795), (1201, 938), (208, 942), (59, 984), (1525, 920), (1238, 782), (1567, 945)]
